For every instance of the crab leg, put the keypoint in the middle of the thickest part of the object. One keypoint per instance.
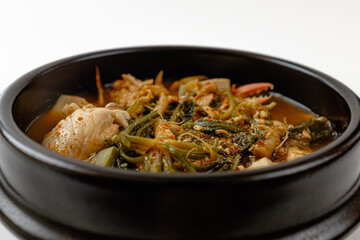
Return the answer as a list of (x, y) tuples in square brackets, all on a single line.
[(252, 89)]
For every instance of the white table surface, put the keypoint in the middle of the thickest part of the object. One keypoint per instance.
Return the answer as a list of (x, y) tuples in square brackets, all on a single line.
[(322, 34)]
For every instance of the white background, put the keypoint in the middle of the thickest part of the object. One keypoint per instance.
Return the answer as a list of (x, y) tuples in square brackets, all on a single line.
[(324, 35)]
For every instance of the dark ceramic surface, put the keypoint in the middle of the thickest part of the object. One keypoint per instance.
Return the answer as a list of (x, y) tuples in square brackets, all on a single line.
[(25, 224), (110, 202)]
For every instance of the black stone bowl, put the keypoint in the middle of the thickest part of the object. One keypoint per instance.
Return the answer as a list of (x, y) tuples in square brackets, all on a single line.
[(96, 202)]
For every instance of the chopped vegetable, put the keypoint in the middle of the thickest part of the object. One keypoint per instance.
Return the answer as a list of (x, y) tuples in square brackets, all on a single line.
[(106, 157), (197, 125)]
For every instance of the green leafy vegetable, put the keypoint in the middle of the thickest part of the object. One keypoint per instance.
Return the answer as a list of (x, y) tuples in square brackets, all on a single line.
[(210, 126), (320, 130), (245, 139)]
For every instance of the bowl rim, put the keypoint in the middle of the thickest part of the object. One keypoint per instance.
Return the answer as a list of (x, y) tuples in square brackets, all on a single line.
[(34, 151)]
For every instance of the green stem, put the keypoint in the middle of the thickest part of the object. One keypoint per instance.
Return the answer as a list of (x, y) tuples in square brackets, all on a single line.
[(141, 121), (231, 106), (146, 125), (128, 158), (235, 162), (271, 105), (175, 113), (148, 142), (178, 155), (132, 109)]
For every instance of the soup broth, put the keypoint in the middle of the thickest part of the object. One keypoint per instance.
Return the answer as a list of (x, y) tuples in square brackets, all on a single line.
[(195, 125)]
